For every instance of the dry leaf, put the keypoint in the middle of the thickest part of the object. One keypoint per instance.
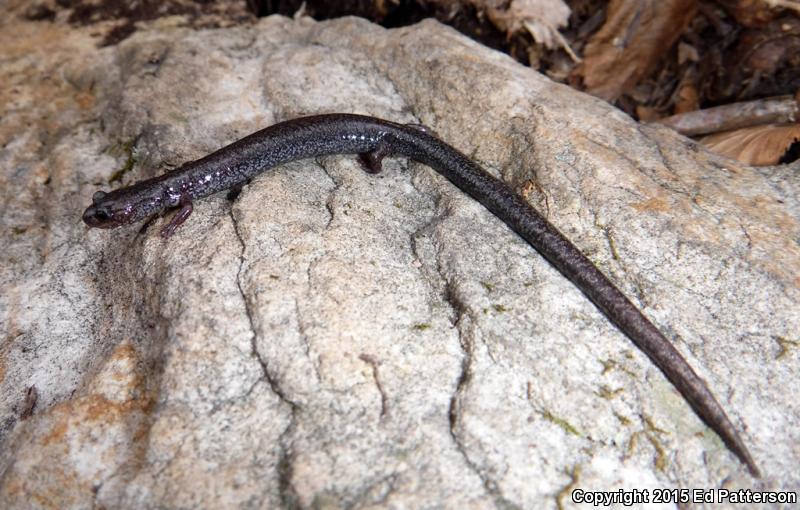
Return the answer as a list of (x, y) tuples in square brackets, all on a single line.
[(647, 113), (757, 146), (687, 53), (542, 18), (633, 39), (785, 4), (764, 62), (770, 47), (750, 13), (687, 98)]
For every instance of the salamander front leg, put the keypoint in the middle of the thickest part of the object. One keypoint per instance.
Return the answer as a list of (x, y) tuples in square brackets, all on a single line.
[(372, 161), (184, 212)]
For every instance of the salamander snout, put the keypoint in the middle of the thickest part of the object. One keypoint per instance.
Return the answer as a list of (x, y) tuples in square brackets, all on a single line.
[(99, 217), (102, 213)]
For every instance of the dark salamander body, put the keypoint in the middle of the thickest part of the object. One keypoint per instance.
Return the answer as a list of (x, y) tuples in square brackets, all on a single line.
[(373, 139)]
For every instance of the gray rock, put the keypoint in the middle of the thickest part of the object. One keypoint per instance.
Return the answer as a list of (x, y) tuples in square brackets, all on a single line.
[(334, 339)]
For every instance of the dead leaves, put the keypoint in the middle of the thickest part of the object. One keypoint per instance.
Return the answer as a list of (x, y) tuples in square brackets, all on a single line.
[(638, 35), (541, 18), (635, 36), (753, 13), (760, 145)]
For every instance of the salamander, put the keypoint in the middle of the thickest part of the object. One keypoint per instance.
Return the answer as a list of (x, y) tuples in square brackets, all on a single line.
[(373, 139)]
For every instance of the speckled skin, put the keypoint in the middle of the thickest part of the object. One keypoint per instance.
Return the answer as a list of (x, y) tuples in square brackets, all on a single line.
[(374, 139)]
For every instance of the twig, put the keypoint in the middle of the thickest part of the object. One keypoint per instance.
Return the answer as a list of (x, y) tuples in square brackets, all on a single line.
[(780, 109)]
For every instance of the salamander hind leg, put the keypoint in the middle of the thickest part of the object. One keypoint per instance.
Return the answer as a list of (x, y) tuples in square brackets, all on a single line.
[(372, 162)]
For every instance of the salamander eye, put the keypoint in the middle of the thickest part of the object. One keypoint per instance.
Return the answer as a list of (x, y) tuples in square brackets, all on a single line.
[(102, 215), (98, 196)]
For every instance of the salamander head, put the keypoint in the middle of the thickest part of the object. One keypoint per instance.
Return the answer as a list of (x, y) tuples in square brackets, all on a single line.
[(120, 207), (105, 212)]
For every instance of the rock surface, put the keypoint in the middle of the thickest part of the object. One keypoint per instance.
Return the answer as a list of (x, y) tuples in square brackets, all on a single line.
[(333, 339)]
